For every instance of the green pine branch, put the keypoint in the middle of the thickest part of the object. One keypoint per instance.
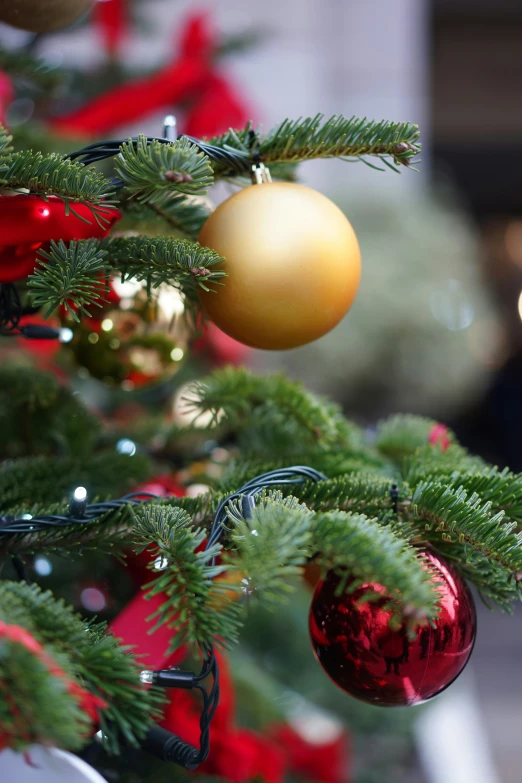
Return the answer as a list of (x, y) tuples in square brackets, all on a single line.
[(71, 275), (158, 260), (68, 273), (5, 145), (468, 519), (34, 705), (501, 488), (153, 171), (57, 175), (271, 546), (265, 411), (22, 64), (359, 492), (195, 608), (89, 654), (361, 550), (402, 434), (432, 463), (295, 141)]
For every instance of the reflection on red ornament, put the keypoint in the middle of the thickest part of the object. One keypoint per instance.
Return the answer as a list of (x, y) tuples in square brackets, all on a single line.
[(356, 647), (28, 223)]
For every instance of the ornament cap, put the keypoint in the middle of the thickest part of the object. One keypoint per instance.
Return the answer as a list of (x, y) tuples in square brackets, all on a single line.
[(260, 174)]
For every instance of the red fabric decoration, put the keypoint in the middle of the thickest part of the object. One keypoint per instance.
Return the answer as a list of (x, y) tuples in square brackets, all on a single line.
[(326, 762), (190, 77), (28, 223), (219, 347), (219, 108), (110, 18), (439, 436), (88, 702), (169, 86), (6, 95), (237, 755)]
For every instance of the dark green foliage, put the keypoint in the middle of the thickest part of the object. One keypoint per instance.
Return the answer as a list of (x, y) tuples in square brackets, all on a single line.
[(467, 519), (294, 141), (270, 415), (86, 652), (20, 64), (271, 546), (45, 712), (175, 214), (30, 483), (39, 416), (340, 137)]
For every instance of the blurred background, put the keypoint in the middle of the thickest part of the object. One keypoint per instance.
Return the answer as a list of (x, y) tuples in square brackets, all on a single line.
[(436, 328)]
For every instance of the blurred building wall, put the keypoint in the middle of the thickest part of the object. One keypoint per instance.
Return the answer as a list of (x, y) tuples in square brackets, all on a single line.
[(361, 57)]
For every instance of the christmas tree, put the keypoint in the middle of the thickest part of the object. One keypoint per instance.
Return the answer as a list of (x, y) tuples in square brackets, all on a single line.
[(117, 266)]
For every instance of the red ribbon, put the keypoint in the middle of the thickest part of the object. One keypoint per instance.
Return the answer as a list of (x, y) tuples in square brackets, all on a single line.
[(191, 76)]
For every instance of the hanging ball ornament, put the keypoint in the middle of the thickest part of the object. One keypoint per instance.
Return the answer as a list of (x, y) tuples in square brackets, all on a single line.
[(293, 265), (131, 341), (42, 16), (381, 664), (28, 223)]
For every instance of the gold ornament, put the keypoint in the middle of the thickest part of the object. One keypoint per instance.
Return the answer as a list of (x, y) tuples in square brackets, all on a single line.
[(132, 341), (42, 16), (293, 265)]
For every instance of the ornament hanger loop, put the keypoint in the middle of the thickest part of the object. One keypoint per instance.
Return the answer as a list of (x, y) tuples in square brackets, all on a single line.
[(260, 174)]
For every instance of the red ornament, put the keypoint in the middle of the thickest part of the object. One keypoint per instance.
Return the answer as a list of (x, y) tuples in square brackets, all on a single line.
[(219, 348), (28, 223), (356, 647), (439, 436)]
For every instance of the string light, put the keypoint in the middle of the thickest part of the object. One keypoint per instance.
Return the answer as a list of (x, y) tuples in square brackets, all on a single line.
[(126, 446), (42, 566), (78, 502)]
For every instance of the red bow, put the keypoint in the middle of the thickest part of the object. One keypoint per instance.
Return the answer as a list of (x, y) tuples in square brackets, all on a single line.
[(189, 77)]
